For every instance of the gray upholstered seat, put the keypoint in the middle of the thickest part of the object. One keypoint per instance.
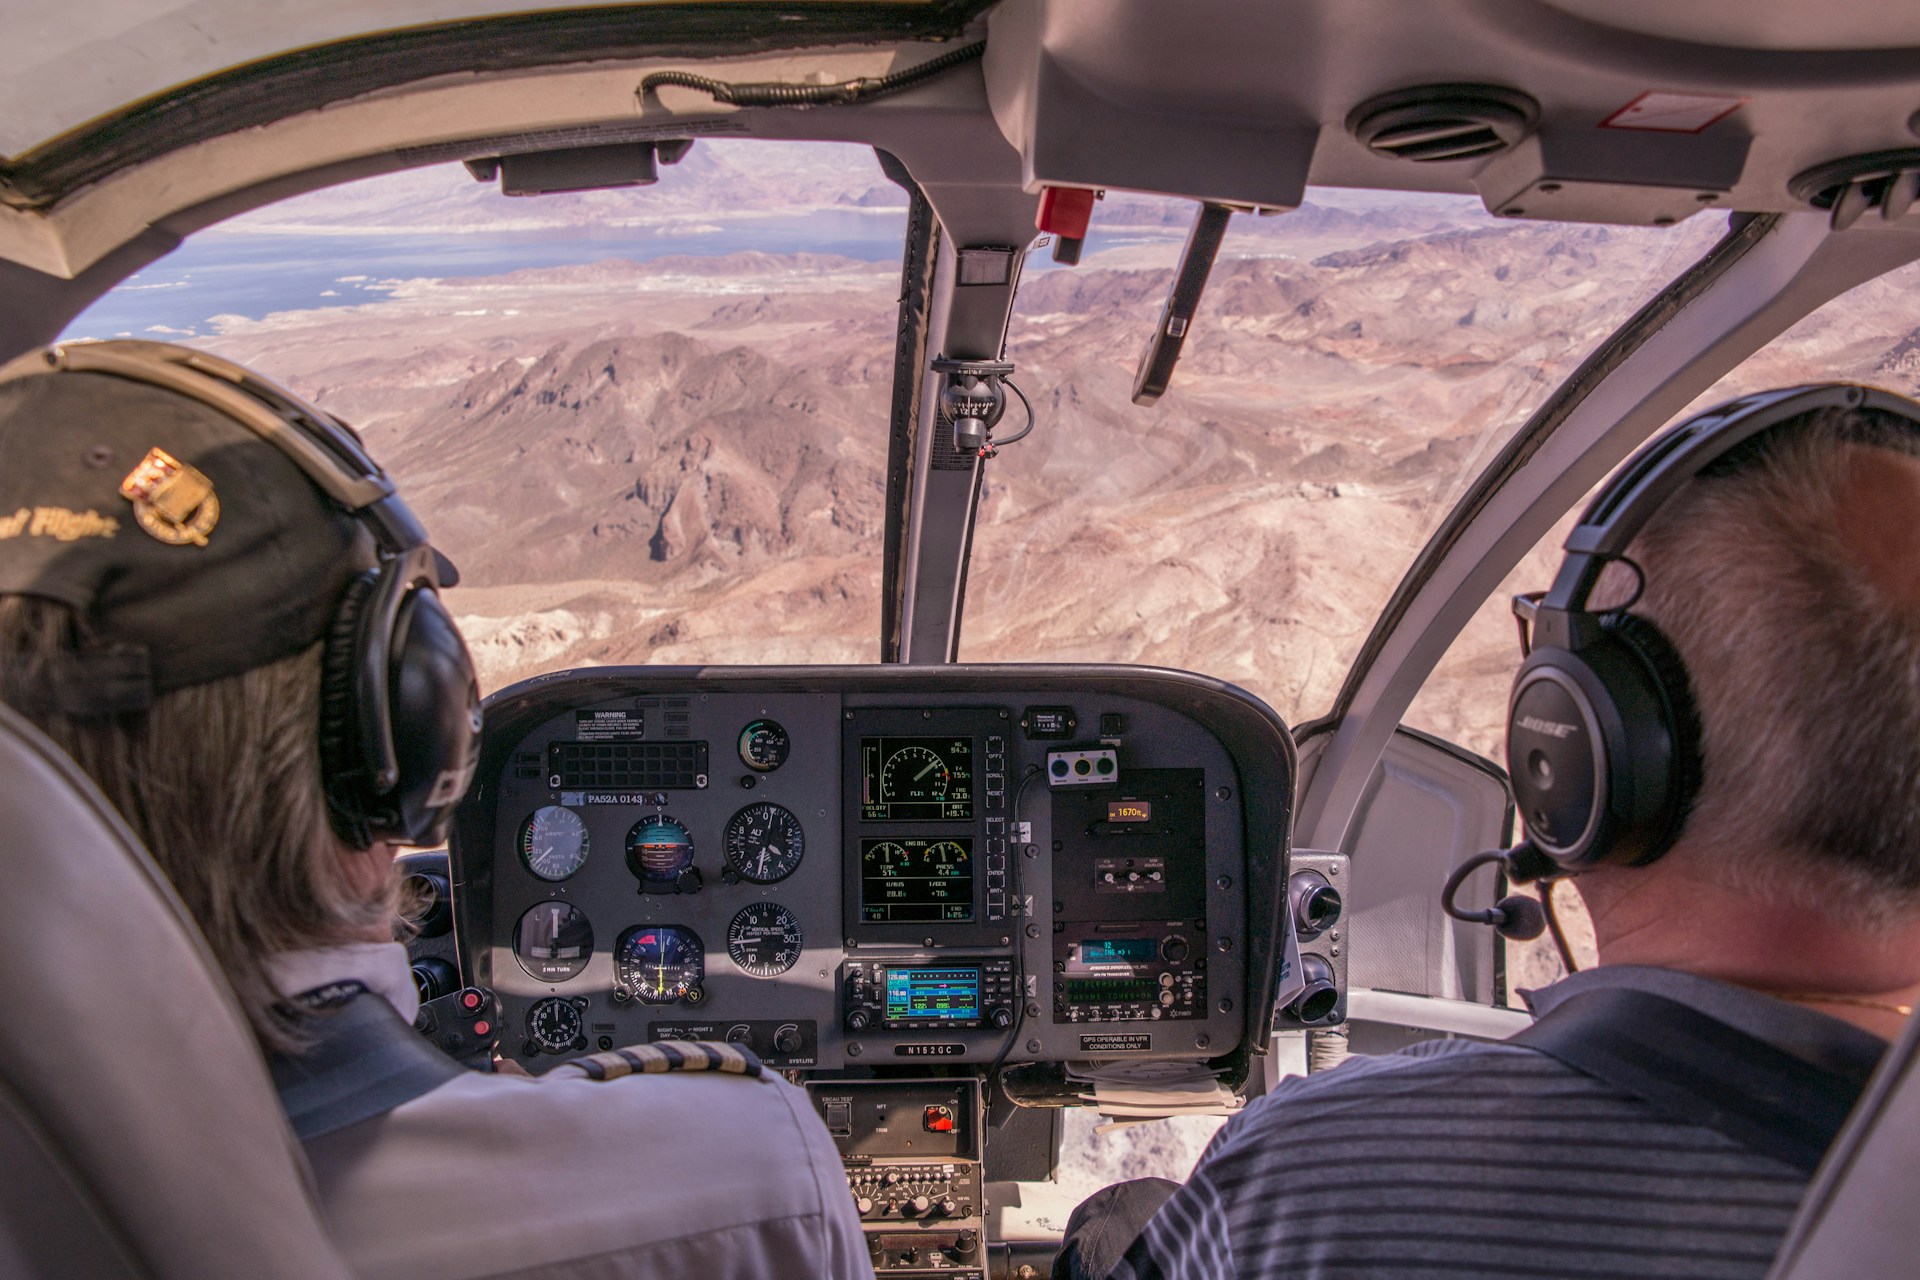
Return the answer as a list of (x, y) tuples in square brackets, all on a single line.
[(1861, 1217), (139, 1135)]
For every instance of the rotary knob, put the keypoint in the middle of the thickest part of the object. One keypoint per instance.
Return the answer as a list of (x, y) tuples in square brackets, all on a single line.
[(1174, 949), (787, 1040), (859, 1020), (917, 1206), (1001, 1017), (863, 1206)]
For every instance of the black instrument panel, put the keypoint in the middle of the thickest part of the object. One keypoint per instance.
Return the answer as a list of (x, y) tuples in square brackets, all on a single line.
[(868, 866)]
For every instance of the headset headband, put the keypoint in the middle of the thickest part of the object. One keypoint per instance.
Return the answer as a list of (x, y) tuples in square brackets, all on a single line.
[(1622, 509)]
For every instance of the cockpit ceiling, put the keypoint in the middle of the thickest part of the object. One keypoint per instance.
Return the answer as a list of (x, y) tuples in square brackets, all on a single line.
[(1639, 111)]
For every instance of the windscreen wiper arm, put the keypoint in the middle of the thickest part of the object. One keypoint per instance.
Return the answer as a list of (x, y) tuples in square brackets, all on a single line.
[(1189, 282)]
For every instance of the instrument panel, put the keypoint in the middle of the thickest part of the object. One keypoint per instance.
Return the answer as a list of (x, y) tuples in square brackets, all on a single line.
[(876, 866)]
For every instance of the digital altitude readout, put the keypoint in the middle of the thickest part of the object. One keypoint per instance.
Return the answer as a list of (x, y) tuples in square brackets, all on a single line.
[(912, 880), (948, 994), (916, 779)]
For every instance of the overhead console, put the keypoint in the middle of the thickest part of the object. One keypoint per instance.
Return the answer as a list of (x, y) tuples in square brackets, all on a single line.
[(874, 867)]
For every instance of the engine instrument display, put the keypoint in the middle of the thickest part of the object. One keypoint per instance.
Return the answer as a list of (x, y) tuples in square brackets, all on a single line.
[(907, 880), (553, 941), (659, 848), (764, 939), (916, 779), (763, 746), (764, 843), (556, 1026), (553, 842), (949, 993), (660, 964)]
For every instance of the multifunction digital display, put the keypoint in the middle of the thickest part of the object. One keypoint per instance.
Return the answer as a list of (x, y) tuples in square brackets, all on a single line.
[(949, 993), (916, 779), (909, 880)]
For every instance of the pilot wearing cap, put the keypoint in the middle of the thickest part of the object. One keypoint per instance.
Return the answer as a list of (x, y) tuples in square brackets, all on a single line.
[(197, 575)]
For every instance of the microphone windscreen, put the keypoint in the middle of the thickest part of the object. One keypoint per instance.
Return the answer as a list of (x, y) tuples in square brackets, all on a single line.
[(1520, 918)]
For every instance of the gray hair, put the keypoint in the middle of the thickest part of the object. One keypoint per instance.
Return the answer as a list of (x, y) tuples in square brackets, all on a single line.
[(222, 783), (1805, 669)]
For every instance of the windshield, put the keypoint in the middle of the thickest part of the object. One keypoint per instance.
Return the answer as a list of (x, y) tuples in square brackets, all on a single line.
[(1353, 365), (648, 425)]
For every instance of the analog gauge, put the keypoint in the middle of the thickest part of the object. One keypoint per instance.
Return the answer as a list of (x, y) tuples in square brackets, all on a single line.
[(553, 842), (764, 843), (553, 941), (764, 939), (914, 773), (945, 858), (659, 848), (659, 964), (763, 746), (887, 859), (555, 1026)]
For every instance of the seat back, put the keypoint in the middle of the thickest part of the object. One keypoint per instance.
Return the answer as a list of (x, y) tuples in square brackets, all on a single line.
[(1861, 1216), (139, 1135)]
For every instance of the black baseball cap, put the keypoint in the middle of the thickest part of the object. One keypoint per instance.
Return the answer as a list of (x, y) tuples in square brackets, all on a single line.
[(190, 548)]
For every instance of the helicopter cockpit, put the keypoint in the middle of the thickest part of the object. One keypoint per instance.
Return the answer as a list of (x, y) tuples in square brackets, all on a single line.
[(1043, 666)]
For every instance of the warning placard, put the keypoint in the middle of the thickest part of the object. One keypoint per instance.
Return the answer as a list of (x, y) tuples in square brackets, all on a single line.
[(1116, 1043), (609, 726)]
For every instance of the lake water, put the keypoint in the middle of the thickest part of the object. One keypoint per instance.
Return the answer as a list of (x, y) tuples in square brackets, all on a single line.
[(253, 274)]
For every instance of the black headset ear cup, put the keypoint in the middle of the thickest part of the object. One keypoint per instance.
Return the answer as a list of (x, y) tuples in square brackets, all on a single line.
[(1674, 687), (342, 768), (435, 703)]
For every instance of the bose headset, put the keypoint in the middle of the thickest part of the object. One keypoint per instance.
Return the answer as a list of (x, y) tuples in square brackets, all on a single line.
[(1603, 736), (399, 703)]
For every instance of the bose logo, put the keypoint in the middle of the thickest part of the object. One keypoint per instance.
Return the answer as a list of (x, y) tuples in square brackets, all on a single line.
[(1552, 728)]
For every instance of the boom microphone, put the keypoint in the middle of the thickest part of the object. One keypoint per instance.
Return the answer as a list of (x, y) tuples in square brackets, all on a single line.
[(1515, 916)]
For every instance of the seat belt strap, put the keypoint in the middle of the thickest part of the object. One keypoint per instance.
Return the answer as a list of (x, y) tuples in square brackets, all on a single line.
[(1698, 1070), (362, 1062)]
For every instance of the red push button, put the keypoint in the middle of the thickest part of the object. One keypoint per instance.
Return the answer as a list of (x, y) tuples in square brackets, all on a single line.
[(937, 1119)]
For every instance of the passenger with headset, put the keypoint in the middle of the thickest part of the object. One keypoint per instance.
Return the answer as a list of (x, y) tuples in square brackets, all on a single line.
[(215, 601), (1716, 734)]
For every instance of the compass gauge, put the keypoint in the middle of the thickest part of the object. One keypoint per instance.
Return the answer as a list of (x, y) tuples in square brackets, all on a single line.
[(764, 843), (764, 939)]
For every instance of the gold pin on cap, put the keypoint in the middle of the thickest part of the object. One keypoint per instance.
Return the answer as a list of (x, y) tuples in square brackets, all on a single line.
[(171, 500)]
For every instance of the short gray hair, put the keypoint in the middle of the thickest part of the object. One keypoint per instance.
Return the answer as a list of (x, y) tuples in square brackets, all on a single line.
[(1805, 669)]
